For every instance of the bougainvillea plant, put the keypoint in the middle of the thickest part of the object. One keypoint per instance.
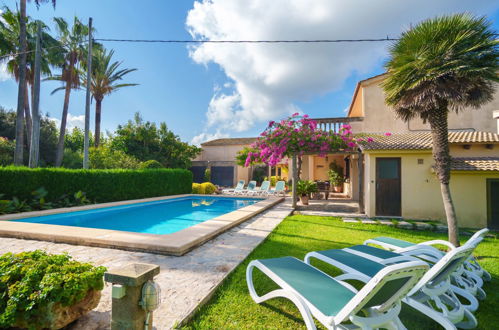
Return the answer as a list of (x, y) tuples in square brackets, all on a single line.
[(299, 135)]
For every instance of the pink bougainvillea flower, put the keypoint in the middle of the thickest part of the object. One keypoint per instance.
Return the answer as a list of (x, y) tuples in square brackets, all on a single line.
[(388, 134), (370, 139)]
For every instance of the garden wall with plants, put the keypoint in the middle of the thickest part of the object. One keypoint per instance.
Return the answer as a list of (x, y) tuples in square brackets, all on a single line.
[(98, 185)]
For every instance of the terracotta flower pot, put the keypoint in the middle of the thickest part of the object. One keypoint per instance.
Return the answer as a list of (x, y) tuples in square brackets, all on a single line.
[(338, 189), (304, 199)]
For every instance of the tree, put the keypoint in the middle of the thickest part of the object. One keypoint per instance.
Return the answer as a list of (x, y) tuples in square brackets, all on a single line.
[(106, 76), (144, 141), (73, 52), (443, 64), (48, 135), (18, 154), (10, 30)]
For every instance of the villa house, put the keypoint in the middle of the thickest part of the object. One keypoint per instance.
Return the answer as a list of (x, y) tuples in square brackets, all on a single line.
[(394, 176)]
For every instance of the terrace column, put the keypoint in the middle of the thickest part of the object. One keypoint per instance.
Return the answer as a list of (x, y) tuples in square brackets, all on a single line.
[(295, 180)]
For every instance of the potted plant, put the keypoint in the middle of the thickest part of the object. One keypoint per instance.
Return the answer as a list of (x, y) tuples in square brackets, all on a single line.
[(336, 177), (304, 188)]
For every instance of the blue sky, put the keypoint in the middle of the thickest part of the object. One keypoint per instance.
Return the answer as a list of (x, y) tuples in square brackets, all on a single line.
[(232, 91)]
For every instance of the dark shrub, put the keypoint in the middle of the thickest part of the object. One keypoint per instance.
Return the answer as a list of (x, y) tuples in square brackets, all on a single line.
[(99, 185)]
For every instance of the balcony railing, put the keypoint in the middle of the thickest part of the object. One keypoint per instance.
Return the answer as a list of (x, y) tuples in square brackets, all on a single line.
[(334, 124)]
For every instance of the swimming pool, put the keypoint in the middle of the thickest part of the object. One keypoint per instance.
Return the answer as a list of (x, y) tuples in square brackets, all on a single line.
[(171, 225), (155, 217)]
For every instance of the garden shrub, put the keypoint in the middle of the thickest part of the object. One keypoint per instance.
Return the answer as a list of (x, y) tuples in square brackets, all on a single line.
[(99, 185), (208, 187), (7, 148), (32, 282), (152, 163), (197, 188), (207, 175)]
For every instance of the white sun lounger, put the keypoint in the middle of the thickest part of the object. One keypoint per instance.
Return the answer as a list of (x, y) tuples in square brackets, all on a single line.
[(434, 289), (264, 189), (332, 301), (239, 187), (471, 270), (280, 189)]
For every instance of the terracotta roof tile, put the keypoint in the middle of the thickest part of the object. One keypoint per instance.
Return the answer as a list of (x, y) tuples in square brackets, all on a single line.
[(229, 142), (475, 164), (423, 141)]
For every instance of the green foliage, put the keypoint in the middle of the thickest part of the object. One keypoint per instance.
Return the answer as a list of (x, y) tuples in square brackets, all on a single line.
[(448, 62), (305, 187), (144, 141), (105, 157), (72, 159), (273, 180), (259, 174), (32, 282), (197, 188), (208, 188), (38, 202), (99, 185), (242, 155), (48, 137), (335, 174), (6, 151), (151, 164), (75, 139), (205, 188), (207, 175)]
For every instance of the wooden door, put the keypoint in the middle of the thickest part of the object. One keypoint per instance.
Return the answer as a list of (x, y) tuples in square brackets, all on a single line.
[(493, 203), (388, 187)]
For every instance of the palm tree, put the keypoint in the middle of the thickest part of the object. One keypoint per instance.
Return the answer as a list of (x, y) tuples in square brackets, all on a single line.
[(105, 77), (444, 64), (73, 51), (9, 29), (18, 154)]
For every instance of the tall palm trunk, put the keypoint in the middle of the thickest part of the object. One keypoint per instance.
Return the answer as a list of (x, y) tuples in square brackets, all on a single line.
[(18, 154), (62, 130), (441, 155), (27, 117), (98, 107)]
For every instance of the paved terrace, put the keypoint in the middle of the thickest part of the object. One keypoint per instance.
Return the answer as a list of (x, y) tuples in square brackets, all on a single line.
[(185, 281)]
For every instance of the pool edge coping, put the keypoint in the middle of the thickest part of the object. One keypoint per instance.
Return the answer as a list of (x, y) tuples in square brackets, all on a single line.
[(177, 243)]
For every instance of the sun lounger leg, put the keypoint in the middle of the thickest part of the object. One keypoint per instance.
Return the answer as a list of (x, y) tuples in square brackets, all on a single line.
[(431, 313), (304, 310)]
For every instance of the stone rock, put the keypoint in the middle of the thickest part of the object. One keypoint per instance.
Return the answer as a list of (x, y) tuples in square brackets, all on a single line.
[(369, 222), (423, 226), (386, 222), (60, 316), (405, 225)]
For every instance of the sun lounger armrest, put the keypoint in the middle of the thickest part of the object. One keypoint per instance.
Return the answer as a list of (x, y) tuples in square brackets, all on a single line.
[(439, 242)]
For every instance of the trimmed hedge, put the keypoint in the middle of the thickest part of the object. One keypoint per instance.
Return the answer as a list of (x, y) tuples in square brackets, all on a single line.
[(99, 185)]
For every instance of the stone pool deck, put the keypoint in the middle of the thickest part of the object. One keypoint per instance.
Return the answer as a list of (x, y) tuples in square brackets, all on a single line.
[(185, 281)]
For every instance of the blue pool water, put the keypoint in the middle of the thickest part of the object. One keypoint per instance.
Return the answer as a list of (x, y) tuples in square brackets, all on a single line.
[(159, 217)]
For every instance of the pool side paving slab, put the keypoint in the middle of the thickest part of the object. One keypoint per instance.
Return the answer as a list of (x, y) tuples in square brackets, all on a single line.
[(186, 281), (177, 243)]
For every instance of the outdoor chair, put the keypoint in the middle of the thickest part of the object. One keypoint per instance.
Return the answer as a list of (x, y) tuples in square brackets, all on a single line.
[(280, 189), (334, 302), (432, 296), (263, 190), (239, 187), (471, 266), (323, 187), (249, 189)]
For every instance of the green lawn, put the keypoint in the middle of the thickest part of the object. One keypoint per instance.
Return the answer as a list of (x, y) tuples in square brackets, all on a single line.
[(232, 307)]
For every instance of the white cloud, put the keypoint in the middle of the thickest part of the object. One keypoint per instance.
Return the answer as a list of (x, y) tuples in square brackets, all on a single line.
[(4, 74), (266, 79), (71, 122), (203, 137)]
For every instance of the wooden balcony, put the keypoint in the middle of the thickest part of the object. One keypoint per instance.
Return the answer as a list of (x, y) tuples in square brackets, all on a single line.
[(334, 124)]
